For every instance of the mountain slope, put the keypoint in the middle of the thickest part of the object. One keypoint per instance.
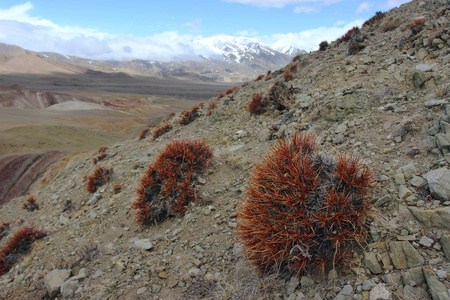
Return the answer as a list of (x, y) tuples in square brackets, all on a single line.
[(386, 103)]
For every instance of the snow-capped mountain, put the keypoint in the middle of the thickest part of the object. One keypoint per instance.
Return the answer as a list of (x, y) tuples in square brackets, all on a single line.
[(286, 48)]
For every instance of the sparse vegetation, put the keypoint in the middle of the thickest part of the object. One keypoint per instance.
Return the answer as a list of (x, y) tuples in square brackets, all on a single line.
[(389, 24), (211, 106), (303, 209), (99, 177), (231, 90), (323, 46), (189, 115), (30, 204), (19, 244), (100, 154), (375, 19), (346, 37), (144, 133), (161, 130), (257, 104), (260, 77), (416, 26), (289, 71), (281, 96), (168, 184), (117, 187), (268, 75)]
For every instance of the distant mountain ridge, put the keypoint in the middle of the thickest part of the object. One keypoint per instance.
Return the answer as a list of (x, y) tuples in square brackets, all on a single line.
[(221, 58)]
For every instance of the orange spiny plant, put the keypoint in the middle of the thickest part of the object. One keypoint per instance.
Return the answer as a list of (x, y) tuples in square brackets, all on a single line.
[(211, 106), (168, 184), (20, 243), (346, 37), (257, 104), (268, 75), (100, 154), (99, 177), (30, 204), (189, 115), (304, 210), (375, 19), (144, 133), (231, 90), (416, 26), (260, 77), (289, 71), (170, 116), (161, 129)]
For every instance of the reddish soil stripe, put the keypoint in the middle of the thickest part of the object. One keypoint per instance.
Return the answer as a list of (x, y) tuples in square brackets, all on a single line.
[(19, 171)]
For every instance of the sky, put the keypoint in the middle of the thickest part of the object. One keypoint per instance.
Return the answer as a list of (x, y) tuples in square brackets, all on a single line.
[(163, 29)]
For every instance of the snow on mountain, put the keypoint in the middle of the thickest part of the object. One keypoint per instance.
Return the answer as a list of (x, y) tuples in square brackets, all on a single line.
[(286, 48)]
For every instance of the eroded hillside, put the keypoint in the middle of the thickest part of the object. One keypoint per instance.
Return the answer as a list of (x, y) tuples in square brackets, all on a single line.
[(382, 95)]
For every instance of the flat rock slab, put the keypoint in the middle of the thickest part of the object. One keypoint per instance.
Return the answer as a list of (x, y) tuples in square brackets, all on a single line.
[(439, 183), (437, 288), (439, 217), (54, 280), (404, 255)]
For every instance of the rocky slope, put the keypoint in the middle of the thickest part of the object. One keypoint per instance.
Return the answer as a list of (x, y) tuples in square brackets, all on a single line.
[(387, 103)]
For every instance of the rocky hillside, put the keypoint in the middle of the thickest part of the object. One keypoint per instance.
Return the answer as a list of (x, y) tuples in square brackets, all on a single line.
[(381, 92)]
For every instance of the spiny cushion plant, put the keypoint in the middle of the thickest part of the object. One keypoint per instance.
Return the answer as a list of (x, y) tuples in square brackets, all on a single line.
[(289, 71), (161, 129), (100, 154), (303, 210), (144, 133), (30, 204), (4, 228), (257, 104), (21, 242), (189, 115), (168, 184), (99, 177)]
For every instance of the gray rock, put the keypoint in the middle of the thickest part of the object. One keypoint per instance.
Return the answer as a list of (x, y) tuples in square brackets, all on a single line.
[(439, 183), (417, 181), (144, 244), (306, 282), (413, 276), (341, 128), (68, 288), (426, 242), (424, 68), (371, 262), (439, 217), (345, 294), (437, 288), (94, 199), (445, 126), (82, 274), (292, 285), (54, 279), (194, 272), (443, 140), (403, 255), (433, 103), (445, 242), (419, 78), (422, 54), (368, 284), (414, 293), (380, 292), (408, 171), (403, 192), (97, 274)]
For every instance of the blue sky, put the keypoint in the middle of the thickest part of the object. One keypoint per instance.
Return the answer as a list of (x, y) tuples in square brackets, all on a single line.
[(101, 29)]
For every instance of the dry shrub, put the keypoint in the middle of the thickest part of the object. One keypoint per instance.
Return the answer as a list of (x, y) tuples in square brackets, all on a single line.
[(289, 71), (189, 116), (170, 116), (323, 46), (100, 154), (19, 244), (117, 187), (389, 25), (268, 75), (303, 209), (211, 106), (30, 204), (416, 26), (144, 134), (161, 130), (346, 37), (280, 95), (231, 90), (168, 184), (260, 77), (99, 177), (375, 19), (4, 229), (257, 104)]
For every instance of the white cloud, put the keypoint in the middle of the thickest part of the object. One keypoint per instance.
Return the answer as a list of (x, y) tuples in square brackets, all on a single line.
[(394, 3), (365, 6), (278, 3), (306, 9), (195, 24), (37, 34), (310, 39)]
